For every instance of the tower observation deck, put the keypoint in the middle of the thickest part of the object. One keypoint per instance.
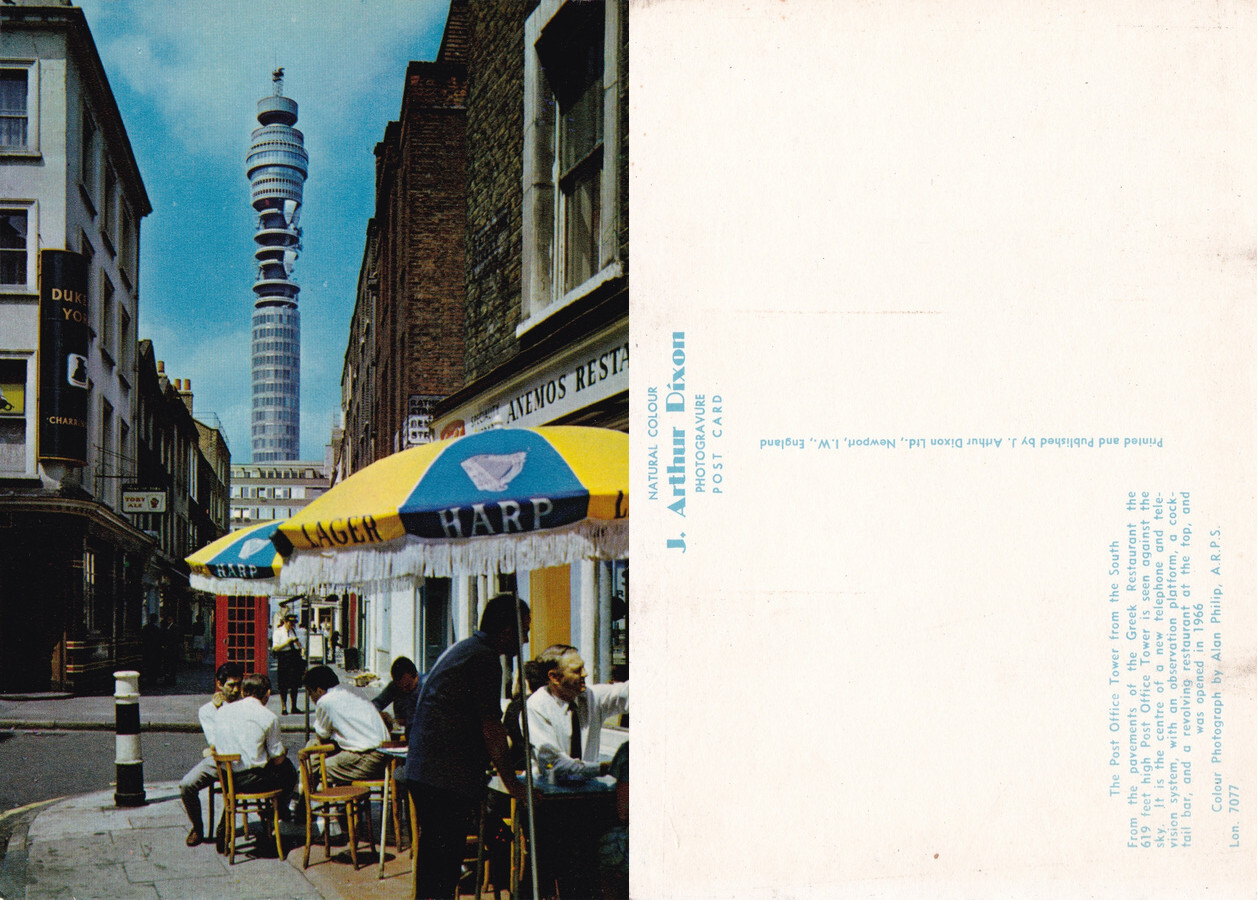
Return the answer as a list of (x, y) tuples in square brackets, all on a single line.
[(277, 167)]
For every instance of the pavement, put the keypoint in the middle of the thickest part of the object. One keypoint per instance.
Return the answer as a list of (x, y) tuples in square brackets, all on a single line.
[(86, 847)]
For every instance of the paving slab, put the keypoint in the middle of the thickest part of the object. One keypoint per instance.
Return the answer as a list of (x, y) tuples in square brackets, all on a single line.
[(279, 881), (72, 875)]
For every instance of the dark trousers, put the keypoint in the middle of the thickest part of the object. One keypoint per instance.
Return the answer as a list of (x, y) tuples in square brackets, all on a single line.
[(290, 666), (445, 820), (281, 777)]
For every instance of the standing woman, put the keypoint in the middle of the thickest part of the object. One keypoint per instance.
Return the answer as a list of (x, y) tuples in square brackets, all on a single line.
[(290, 664)]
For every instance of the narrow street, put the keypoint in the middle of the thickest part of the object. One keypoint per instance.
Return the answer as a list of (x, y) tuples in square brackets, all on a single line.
[(37, 766)]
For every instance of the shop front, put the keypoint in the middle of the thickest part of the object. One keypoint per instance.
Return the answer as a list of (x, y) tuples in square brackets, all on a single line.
[(71, 595)]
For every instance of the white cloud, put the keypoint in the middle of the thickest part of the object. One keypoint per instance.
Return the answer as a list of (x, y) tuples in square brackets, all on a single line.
[(205, 65), (219, 369)]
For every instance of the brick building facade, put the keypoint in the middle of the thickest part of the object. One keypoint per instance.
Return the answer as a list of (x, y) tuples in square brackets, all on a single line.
[(543, 286), (495, 136)]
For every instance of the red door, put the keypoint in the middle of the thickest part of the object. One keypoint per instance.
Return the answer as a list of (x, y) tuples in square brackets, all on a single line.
[(242, 632)]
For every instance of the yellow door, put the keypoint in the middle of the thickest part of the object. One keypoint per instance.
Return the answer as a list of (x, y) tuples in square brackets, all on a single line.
[(550, 594)]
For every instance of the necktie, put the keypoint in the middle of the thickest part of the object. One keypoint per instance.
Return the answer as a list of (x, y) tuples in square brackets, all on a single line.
[(574, 744)]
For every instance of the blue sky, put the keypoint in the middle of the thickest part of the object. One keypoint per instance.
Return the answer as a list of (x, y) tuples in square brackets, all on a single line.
[(187, 77)]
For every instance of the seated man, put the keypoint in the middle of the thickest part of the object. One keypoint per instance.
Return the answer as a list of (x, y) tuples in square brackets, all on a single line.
[(247, 727), (565, 726), (566, 717), (401, 691), (205, 773), (350, 722)]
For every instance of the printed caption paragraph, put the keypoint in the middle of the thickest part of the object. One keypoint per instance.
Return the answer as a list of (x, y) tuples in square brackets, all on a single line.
[(1169, 767)]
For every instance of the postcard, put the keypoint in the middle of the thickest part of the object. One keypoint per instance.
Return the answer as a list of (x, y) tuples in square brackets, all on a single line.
[(943, 449)]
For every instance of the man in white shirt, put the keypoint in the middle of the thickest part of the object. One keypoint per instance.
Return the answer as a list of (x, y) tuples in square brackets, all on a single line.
[(565, 726), (350, 722), (247, 727), (205, 773), (567, 699)]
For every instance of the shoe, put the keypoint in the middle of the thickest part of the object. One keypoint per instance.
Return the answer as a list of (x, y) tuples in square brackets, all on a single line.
[(194, 838), (283, 711)]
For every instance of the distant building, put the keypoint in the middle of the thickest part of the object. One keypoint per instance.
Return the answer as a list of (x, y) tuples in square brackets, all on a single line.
[(264, 491), (277, 167), (186, 460)]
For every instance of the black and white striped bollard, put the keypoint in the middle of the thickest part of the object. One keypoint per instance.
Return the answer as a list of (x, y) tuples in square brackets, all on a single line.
[(128, 762)]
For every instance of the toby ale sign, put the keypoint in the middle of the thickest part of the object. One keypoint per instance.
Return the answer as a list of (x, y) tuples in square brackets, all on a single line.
[(63, 342)]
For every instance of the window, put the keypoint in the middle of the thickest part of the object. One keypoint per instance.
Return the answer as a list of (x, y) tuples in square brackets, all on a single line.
[(577, 80), (89, 589), (14, 455), (126, 245), (19, 107), (125, 343), (13, 252), (107, 210), (87, 164), (107, 320), (571, 144), (13, 108), (124, 448), (109, 464)]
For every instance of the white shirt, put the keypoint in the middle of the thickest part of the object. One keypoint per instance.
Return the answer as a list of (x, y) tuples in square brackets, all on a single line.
[(250, 729), (207, 714), (281, 636), (350, 721), (550, 726)]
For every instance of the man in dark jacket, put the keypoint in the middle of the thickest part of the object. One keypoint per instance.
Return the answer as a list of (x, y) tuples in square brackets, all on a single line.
[(456, 732)]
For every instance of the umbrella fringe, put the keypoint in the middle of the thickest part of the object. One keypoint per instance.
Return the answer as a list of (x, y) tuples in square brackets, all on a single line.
[(248, 587), (472, 556)]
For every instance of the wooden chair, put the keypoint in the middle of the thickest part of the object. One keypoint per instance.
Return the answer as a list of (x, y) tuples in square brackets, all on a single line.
[(518, 873), (328, 802), (243, 803), (413, 815)]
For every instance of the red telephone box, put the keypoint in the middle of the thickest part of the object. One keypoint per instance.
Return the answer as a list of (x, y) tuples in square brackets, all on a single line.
[(242, 632)]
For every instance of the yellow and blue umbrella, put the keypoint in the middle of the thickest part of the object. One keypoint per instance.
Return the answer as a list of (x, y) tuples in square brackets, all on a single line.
[(242, 562), (494, 501)]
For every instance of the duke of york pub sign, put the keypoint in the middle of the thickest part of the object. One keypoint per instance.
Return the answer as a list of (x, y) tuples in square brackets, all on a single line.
[(64, 315)]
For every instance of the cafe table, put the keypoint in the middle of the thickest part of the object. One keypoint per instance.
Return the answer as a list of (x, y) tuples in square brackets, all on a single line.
[(594, 795), (396, 751)]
